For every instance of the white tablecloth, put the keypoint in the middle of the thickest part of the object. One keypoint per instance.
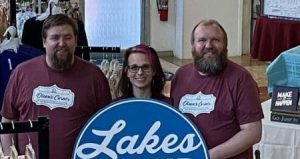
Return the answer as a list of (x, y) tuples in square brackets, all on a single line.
[(279, 140)]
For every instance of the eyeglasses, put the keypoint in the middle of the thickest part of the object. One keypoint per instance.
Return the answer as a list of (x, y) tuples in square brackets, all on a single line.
[(135, 68)]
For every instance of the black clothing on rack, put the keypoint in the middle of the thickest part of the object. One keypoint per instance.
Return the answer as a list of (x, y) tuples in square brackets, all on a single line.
[(82, 41), (32, 33), (9, 60)]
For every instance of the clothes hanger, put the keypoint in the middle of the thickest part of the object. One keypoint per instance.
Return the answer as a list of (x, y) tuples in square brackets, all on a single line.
[(111, 65), (13, 42), (105, 65), (117, 63), (13, 150), (29, 151), (50, 10)]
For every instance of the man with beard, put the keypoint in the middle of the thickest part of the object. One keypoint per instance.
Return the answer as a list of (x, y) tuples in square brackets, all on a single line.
[(219, 96), (59, 85)]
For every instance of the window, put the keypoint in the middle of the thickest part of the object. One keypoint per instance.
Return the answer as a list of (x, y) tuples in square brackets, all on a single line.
[(113, 22)]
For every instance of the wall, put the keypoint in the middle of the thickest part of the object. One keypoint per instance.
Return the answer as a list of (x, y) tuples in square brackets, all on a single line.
[(177, 51), (229, 13), (226, 12), (246, 37), (162, 33)]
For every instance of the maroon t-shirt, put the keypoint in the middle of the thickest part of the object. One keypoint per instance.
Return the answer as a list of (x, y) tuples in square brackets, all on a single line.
[(218, 105), (69, 98)]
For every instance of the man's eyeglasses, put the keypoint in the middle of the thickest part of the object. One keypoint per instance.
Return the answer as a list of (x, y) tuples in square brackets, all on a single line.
[(135, 68)]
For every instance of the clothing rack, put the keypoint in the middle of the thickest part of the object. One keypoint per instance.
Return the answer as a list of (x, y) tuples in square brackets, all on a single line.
[(41, 126), (12, 11), (83, 51), (98, 49)]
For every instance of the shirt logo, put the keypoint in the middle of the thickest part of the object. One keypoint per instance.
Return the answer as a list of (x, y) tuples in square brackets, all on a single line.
[(53, 97), (197, 103), (139, 129)]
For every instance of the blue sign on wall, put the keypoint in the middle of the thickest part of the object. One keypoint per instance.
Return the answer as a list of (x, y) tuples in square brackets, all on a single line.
[(139, 129)]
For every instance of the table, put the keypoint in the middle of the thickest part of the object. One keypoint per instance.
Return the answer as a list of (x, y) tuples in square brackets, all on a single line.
[(272, 36), (279, 140)]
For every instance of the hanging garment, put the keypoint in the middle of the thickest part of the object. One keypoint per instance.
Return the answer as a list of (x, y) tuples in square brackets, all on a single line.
[(10, 59), (21, 18), (13, 152), (51, 10), (3, 21), (29, 152), (1, 152), (12, 43)]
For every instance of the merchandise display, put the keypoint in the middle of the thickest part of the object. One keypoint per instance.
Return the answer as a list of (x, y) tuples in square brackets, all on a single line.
[(279, 139), (12, 53), (39, 126), (219, 105)]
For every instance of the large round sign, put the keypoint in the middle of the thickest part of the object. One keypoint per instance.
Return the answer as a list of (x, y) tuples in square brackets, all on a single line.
[(139, 129)]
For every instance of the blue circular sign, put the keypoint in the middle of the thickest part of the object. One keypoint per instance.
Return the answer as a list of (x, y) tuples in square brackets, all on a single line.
[(139, 129)]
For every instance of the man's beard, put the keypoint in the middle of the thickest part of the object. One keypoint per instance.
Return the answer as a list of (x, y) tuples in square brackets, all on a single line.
[(211, 65), (62, 63)]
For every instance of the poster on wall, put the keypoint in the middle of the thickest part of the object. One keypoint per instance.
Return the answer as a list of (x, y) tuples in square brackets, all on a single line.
[(140, 129), (282, 9)]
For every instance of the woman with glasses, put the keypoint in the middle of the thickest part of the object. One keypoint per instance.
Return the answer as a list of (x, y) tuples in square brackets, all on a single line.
[(142, 75)]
